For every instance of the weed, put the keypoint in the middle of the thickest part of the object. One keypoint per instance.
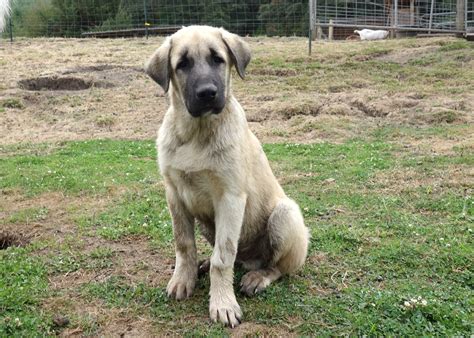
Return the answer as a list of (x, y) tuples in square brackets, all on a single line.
[(105, 121), (12, 103)]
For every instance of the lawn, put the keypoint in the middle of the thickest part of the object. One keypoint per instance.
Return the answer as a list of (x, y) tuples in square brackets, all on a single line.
[(385, 184)]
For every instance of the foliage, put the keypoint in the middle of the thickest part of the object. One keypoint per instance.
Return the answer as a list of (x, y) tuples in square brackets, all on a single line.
[(71, 18)]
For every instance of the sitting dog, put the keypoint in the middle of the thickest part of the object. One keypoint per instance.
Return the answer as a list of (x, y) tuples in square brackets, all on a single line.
[(216, 173)]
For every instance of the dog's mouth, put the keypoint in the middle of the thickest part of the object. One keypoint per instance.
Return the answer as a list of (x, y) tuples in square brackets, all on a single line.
[(205, 110)]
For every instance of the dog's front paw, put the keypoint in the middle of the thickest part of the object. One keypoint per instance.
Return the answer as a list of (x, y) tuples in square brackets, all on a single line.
[(181, 285), (226, 311)]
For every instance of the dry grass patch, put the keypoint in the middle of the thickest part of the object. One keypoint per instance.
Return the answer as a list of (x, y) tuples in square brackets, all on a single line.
[(115, 99)]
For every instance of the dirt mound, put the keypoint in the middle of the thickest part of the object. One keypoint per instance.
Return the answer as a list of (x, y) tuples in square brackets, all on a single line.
[(90, 69), (274, 71), (370, 109), (103, 68), (59, 83)]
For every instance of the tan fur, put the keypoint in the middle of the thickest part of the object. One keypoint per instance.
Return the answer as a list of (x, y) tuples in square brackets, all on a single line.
[(216, 172)]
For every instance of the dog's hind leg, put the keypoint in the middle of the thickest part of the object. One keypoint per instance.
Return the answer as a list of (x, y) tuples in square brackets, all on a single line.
[(289, 239), (203, 267)]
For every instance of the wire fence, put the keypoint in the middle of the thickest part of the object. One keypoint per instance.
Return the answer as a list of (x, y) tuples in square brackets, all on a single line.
[(75, 18), (72, 18), (469, 17), (339, 18)]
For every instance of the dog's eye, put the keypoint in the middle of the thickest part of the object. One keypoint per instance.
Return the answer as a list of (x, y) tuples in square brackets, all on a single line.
[(217, 59), (183, 63)]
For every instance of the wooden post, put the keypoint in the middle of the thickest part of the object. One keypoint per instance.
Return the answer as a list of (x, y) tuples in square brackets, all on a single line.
[(460, 14), (331, 30), (310, 21), (312, 18), (395, 24), (412, 12), (319, 31), (431, 16)]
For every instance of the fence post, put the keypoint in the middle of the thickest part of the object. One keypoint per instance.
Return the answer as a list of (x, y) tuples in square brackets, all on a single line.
[(146, 21), (331, 30), (11, 29), (319, 30), (396, 17), (465, 17), (466, 9), (431, 16), (460, 14), (310, 38)]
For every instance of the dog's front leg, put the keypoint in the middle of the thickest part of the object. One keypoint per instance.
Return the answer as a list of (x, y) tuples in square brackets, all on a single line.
[(223, 305), (181, 285)]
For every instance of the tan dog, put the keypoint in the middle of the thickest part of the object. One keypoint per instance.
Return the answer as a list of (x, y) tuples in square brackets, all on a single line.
[(216, 173)]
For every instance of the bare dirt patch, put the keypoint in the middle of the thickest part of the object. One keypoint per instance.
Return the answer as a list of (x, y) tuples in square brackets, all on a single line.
[(58, 222), (251, 329), (450, 177), (58, 83), (96, 318)]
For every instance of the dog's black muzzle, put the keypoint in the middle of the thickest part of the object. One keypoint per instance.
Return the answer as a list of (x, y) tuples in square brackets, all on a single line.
[(204, 92)]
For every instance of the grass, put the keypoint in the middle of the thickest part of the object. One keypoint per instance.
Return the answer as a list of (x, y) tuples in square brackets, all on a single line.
[(387, 196), (23, 283), (138, 213), (11, 103), (374, 246), (76, 168), (443, 68)]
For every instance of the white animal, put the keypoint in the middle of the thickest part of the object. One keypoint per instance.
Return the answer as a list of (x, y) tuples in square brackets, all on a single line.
[(4, 12), (369, 34)]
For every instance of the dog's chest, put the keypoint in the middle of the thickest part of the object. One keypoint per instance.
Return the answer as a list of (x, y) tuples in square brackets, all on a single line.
[(197, 190)]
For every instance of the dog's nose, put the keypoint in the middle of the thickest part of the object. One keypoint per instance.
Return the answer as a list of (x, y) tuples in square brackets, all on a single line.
[(206, 92)]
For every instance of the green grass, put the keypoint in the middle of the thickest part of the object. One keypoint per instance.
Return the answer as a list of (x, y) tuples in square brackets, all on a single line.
[(23, 284), (90, 167), (375, 244), (28, 215), (138, 213)]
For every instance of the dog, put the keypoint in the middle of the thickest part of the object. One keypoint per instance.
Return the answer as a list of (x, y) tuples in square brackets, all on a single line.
[(216, 173)]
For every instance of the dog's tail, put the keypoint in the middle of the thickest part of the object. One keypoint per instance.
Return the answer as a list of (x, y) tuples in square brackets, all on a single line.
[(4, 13)]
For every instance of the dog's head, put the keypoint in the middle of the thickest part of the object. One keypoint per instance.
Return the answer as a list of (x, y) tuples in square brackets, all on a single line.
[(196, 62)]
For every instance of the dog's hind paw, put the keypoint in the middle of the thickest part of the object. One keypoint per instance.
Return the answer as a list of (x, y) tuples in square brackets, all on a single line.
[(256, 281), (203, 267)]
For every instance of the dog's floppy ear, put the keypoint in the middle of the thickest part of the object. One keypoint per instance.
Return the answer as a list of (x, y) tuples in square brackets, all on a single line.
[(239, 51), (158, 66)]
